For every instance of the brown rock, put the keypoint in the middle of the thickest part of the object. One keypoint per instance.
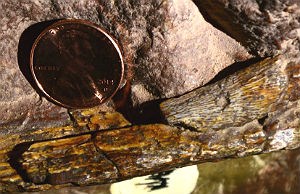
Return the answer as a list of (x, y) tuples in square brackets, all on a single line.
[(264, 27), (169, 49)]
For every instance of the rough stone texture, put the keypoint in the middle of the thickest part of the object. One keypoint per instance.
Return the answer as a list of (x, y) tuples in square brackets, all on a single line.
[(265, 27), (185, 53), (168, 47), (161, 40)]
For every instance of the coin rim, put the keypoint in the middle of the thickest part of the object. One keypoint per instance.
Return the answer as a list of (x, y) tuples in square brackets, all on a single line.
[(87, 23)]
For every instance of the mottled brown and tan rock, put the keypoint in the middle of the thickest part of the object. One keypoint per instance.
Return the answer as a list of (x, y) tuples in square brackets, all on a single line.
[(251, 94), (95, 155)]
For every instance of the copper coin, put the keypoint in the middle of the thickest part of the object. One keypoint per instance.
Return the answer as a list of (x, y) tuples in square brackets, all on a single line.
[(76, 64)]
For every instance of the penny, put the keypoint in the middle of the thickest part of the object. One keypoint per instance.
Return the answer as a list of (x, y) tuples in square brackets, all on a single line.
[(76, 64)]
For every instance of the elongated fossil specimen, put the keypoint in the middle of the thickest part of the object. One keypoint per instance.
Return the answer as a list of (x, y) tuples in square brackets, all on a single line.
[(245, 96), (250, 112)]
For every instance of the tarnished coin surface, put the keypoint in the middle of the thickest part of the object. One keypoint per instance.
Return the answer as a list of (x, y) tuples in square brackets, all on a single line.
[(76, 64)]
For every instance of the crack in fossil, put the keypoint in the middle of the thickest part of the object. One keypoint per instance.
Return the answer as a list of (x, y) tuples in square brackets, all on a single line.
[(102, 154)]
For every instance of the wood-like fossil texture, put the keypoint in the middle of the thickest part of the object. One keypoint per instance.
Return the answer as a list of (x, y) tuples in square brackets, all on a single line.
[(104, 152), (245, 96)]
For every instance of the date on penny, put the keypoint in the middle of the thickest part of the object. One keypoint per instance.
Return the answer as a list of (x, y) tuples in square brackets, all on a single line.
[(76, 64)]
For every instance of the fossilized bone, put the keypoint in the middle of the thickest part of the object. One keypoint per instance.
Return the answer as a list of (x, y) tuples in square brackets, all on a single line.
[(246, 113)]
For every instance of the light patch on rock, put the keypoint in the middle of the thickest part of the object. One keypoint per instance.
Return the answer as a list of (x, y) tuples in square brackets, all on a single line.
[(282, 138), (140, 93)]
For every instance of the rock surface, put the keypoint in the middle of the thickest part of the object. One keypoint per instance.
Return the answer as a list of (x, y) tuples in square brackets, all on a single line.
[(269, 173), (265, 27), (162, 43), (169, 49)]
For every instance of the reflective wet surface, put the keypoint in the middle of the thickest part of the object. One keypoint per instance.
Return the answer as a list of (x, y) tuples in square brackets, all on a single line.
[(76, 64)]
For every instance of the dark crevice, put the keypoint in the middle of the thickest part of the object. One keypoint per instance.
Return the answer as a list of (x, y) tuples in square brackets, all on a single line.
[(56, 6), (146, 113), (75, 184), (72, 118), (103, 155), (185, 126), (15, 157), (262, 120), (235, 67)]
